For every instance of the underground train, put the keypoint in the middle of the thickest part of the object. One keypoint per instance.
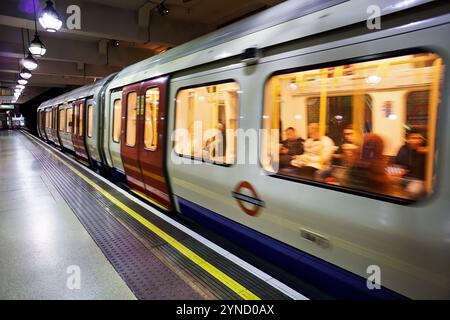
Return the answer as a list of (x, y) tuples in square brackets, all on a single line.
[(300, 134)]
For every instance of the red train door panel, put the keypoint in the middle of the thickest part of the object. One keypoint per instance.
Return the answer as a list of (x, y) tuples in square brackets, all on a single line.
[(129, 148), (151, 151), (142, 147), (78, 131)]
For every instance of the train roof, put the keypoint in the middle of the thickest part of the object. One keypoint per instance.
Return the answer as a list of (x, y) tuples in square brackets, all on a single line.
[(285, 22), (81, 92)]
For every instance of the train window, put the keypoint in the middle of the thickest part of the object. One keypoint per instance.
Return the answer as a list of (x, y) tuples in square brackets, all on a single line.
[(206, 122), (69, 120), (151, 118), (62, 120), (367, 127), (117, 114), (131, 119), (75, 119), (47, 119), (90, 120), (417, 110), (80, 120)]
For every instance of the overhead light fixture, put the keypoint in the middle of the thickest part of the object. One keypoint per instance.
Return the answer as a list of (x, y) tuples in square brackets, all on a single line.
[(162, 9), (25, 73), (22, 81), (49, 18), (373, 79), (36, 46), (29, 62), (20, 86)]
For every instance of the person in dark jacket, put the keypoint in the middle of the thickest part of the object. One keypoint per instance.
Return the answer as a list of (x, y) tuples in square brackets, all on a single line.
[(412, 156), (292, 146)]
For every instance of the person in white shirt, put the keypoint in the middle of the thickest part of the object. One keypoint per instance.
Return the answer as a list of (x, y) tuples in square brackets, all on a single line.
[(317, 154)]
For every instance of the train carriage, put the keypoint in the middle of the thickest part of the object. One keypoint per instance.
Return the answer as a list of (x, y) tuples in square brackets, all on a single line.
[(207, 129)]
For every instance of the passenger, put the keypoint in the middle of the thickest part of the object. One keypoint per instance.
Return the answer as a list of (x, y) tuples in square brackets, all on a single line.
[(214, 146), (343, 158), (291, 147), (411, 158), (317, 153), (345, 154), (369, 170)]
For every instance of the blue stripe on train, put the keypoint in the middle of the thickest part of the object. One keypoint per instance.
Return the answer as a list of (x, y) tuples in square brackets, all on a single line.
[(323, 275)]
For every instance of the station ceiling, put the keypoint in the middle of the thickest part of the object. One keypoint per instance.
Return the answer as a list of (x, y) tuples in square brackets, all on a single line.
[(77, 57)]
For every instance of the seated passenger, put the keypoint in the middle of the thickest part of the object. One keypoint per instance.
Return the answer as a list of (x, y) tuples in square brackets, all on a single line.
[(344, 157), (317, 153), (411, 158), (369, 171), (345, 154), (412, 155), (292, 146)]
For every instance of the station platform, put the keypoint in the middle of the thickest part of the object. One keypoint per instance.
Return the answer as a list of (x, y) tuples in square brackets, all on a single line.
[(68, 233)]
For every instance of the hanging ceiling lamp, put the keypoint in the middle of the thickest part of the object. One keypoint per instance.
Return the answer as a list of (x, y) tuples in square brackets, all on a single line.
[(36, 46), (25, 73), (29, 62), (22, 81), (49, 18)]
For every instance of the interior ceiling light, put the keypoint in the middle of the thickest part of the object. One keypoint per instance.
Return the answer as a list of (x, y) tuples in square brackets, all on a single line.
[(36, 46), (20, 86), (25, 73), (22, 81), (29, 62), (49, 18)]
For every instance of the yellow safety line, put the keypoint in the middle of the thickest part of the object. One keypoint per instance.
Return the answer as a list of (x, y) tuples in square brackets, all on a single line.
[(235, 286)]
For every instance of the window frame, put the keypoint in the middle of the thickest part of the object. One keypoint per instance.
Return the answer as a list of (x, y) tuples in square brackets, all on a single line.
[(113, 121), (80, 121), (90, 121), (199, 85), (63, 111), (354, 60), (156, 121), (76, 111), (67, 123), (136, 120)]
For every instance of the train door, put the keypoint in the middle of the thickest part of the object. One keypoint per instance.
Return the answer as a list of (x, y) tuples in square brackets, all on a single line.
[(42, 124), (131, 103), (48, 124), (78, 131), (142, 142), (151, 143), (55, 125)]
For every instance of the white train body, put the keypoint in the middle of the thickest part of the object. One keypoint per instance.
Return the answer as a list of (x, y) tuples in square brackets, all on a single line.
[(334, 234)]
